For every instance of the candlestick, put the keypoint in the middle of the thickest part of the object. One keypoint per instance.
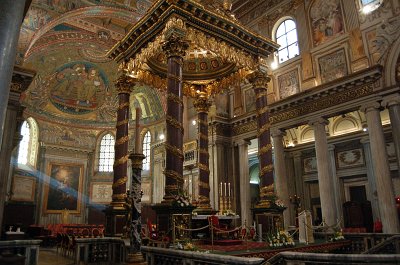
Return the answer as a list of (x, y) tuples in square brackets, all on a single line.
[(137, 131), (229, 189), (225, 189), (220, 191)]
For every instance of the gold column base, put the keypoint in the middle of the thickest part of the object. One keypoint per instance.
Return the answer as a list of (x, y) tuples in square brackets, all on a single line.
[(136, 258)]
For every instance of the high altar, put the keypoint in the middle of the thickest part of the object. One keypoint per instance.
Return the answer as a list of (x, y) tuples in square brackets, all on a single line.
[(182, 47)]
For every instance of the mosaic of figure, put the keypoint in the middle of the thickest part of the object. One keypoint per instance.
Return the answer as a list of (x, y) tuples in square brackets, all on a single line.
[(326, 20), (80, 88)]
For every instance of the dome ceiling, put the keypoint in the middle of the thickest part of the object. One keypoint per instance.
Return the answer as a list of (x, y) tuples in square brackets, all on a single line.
[(65, 42)]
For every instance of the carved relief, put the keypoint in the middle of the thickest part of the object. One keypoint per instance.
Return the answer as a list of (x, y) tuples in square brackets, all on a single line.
[(386, 34), (288, 84), (333, 66), (350, 158), (326, 20)]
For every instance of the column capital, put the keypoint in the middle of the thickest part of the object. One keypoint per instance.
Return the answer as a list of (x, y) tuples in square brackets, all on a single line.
[(276, 132), (370, 106), (175, 46), (365, 140), (242, 142), (331, 147), (391, 100), (202, 103), (318, 121), (124, 84), (259, 79)]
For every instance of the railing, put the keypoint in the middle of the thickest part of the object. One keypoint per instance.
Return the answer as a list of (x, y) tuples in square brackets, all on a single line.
[(155, 256), (389, 246), (360, 242), (291, 258), (110, 250), (26, 248)]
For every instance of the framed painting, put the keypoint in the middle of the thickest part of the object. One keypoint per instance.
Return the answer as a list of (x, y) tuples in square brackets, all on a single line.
[(310, 164), (101, 192), (23, 188), (63, 191), (333, 66), (250, 99), (288, 84)]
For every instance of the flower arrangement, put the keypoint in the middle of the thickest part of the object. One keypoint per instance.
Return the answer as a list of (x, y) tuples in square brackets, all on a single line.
[(280, 239), (338, 235), (181, 201)]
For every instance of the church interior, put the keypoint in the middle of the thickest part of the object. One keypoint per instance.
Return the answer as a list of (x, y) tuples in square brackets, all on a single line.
[(147, 120)]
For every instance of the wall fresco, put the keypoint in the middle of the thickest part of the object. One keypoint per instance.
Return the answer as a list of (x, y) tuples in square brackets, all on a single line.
[(288, 84), (333, 66), (326, 20)]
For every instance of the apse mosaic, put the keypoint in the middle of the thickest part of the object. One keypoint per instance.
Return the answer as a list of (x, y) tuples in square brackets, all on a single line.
[(80, 88)]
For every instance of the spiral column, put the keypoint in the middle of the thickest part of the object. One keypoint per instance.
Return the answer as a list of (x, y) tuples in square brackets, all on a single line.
[(116, 214), (174, 48), (202, 105), (259, 81)]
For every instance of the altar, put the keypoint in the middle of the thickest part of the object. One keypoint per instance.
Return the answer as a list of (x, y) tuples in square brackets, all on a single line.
[(201, 220)]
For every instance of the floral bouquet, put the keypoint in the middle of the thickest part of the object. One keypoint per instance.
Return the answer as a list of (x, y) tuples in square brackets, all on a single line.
[(181, 201), (338, 235), (280, 239)]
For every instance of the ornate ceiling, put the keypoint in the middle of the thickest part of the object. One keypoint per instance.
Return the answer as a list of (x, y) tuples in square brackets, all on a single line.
[(65, 42)]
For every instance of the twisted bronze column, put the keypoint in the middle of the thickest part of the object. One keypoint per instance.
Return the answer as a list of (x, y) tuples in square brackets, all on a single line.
[(202, 105), (124, 86), (260, 81), (174, 48)]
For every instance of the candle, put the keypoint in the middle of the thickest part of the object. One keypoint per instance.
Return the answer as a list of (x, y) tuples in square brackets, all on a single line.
[(225, 189), (137, 131), (229, 189), (220, 190)]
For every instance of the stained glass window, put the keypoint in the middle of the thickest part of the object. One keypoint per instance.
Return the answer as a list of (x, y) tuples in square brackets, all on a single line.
[(24, 144), (146, 151), (286, 37), (107, 153)]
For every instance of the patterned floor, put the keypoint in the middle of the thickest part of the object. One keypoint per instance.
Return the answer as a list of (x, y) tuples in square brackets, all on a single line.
[(49, 256)]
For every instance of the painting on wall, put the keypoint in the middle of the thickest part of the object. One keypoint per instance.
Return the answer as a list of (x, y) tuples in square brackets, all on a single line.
[(350, 158), (288, 84), (250, 99), (63, 191), (326, 20), (310, 164), (101, 192), (333, 66), (23, 188)]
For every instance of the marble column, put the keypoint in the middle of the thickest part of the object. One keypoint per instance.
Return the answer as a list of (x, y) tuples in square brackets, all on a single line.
[(335, 181), (371, 177), (392, 102), (244, 182), (325, 178), (11, 17), (384, 185), (124, 86), (299, 182), (174, 48), (116, 212), (202, 105), (281, 184), (259, 81)]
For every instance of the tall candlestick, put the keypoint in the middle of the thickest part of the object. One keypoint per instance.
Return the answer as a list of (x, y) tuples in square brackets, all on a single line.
[(225, 189), (220, 191), (137, 131), (229, 189)]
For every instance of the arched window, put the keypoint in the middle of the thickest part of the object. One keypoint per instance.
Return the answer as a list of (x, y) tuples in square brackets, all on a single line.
[(23, 150), (367, 6), (106, 158), (286, 37), (146, 151)]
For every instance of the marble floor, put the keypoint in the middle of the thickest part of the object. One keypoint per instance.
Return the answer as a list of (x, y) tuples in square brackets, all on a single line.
[(49, 256)]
